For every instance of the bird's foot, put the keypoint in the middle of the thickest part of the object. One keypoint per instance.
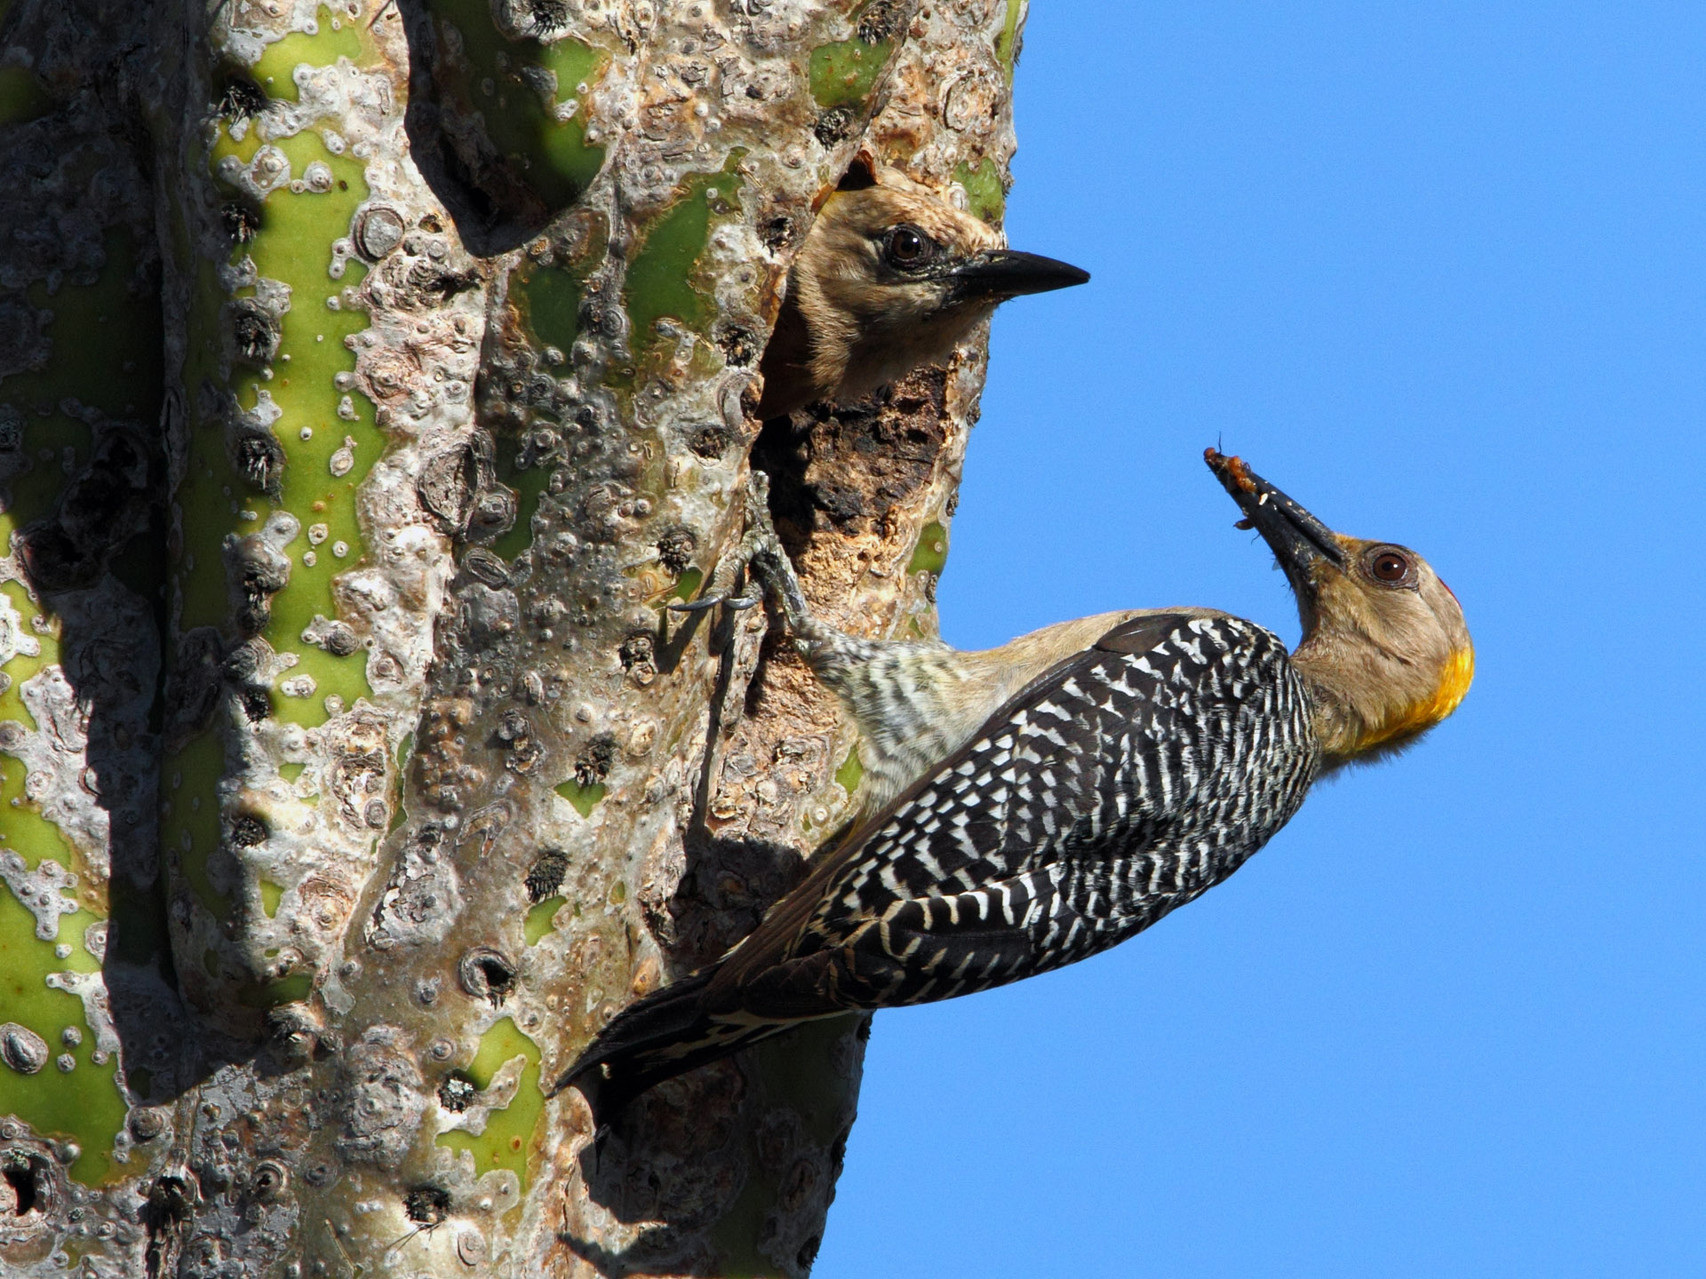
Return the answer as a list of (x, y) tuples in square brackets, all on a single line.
[(759, 559)]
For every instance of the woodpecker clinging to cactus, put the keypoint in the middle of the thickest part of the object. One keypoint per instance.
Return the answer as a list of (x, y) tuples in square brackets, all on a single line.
[(1045, 800), (890, 276)]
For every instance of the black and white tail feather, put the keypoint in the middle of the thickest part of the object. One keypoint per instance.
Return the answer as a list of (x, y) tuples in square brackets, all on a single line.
[(666, 1034)]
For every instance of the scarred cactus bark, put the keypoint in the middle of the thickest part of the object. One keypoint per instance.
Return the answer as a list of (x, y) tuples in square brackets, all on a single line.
[(373, 375)]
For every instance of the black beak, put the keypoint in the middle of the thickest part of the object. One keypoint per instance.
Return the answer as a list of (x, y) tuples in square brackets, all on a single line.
[(1003, 273), (1299, 541)]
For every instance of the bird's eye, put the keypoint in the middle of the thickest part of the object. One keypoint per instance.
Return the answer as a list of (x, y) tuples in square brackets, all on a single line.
[(1388, 565), (907, 246)]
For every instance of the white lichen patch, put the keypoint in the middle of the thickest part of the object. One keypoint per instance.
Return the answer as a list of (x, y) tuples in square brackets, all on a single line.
[(47, 892), (91, 989), (112, 656), (13, 638)]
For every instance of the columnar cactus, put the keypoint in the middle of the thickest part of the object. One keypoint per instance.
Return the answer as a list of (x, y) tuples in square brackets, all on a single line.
[(382, 371)]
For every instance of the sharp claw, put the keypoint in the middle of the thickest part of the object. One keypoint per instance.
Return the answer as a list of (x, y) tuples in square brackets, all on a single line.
[(751, 597)]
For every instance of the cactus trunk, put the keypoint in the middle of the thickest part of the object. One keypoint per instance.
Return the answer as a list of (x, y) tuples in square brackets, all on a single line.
[(373, 375)]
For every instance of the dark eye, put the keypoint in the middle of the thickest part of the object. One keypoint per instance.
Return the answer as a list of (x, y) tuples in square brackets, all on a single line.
[(1388, 565), (907, 246)]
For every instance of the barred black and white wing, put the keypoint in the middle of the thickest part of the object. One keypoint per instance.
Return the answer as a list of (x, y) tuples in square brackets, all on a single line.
[(1117, 786)]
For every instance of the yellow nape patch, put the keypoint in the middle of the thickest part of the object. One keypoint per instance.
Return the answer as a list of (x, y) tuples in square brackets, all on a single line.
[(1423, 715)]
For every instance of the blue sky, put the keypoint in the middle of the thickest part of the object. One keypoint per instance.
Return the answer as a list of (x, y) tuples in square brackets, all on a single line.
[(1440, 272)]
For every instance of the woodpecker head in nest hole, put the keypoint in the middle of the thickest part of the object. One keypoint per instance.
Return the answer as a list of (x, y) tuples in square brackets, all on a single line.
[(890, 277)]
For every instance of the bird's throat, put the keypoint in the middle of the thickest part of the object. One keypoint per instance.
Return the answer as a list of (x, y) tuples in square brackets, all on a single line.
[(1351, 726)]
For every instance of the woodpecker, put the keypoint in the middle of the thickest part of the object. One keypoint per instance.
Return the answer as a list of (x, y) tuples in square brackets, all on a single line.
[(890, 276), (1048, 799)]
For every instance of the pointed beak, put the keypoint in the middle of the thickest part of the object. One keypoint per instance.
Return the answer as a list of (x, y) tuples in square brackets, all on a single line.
[(1300, 542), (1003, 273)]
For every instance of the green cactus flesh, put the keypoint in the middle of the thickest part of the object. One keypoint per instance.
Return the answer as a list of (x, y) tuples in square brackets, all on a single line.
[(984, 196), (844, 73), (663, 277), (851, 772), (581, 797), (333, 37), (509, 1132), (549, 297), (1007, 43), (529, 483), (321, 430), (930, 555), (527, 94), (71, 1096), (540, 919)]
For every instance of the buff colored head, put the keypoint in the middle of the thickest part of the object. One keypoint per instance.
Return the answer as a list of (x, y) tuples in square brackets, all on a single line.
[(890, 276), (1386, 653)]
